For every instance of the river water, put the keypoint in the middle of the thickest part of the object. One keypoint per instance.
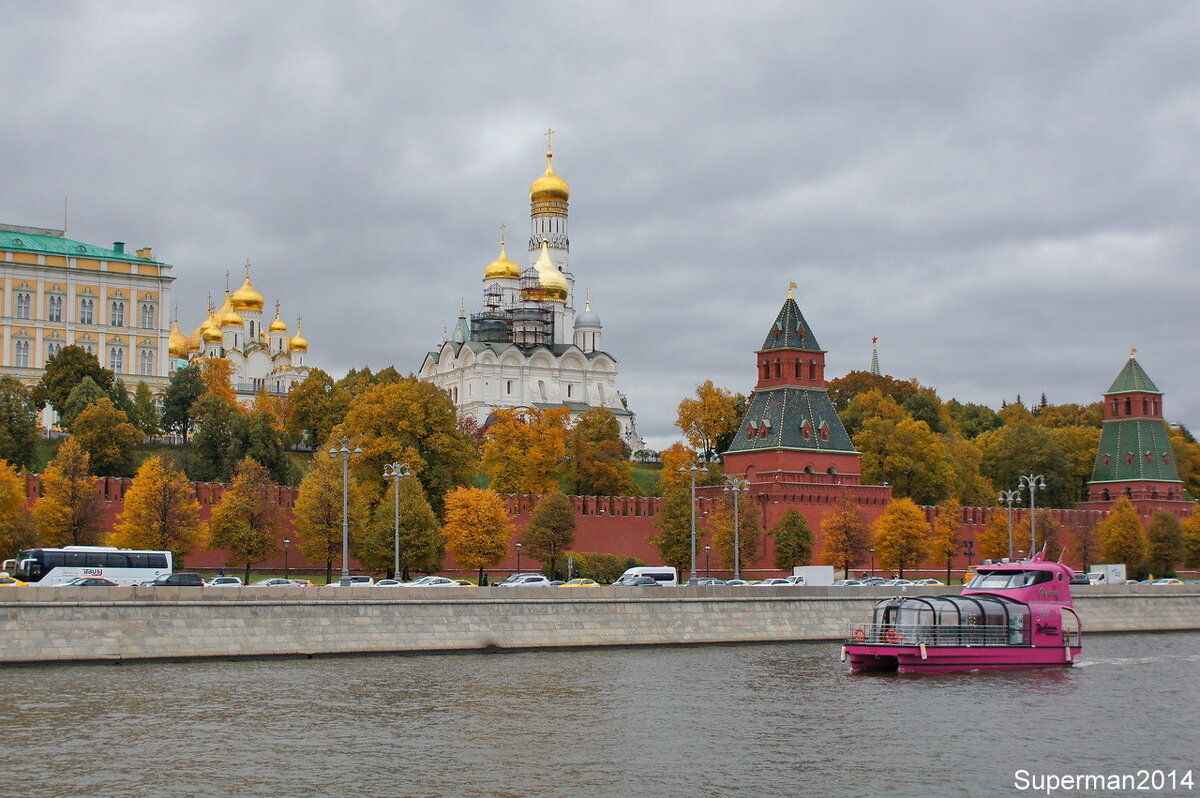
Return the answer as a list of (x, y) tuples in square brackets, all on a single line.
[(782, 719)]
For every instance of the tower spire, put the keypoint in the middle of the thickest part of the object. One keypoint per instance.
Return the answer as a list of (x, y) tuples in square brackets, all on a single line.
[(875, 355)]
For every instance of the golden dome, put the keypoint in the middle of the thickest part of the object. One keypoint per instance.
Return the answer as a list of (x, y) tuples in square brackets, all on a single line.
[(549, 186), (211, 334), (247, 297), (231, 319), (502, 267), (298, 343), (551, 281), (177, 345), (279, 325)]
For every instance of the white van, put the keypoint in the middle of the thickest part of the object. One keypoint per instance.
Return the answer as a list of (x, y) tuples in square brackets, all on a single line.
[(665, 575)]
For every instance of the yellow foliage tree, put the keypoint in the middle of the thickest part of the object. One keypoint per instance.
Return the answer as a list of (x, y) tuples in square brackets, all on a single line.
[(317, 513), (246, 522), (711, 415), (901, 536), (993, 540), (1122, 536), (161, 512), (16, 526), (750, 531), (675, 457), (525, 449), (271, 406), (477, 528), (104, 432), (847, 536), (947, 530), (217, 375), (68, 513)]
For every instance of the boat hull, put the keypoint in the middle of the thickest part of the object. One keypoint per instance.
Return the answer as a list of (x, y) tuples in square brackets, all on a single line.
[(947, 659)]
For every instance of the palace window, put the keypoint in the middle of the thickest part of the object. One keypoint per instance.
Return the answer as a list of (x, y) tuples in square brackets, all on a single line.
[(21, 354), (52, 349), (145, 362), (87, 311), (24, 302), (54, 308), (116, 359), (116, 316), (149, 317)]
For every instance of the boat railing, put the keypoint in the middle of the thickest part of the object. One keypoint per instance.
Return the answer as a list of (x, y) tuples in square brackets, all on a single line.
[(933, 635)]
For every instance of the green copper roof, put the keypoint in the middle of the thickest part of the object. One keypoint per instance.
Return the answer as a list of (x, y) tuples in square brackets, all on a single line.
[(781, 417), (790, 331), (20, 241), (1133, 378), (1134, 449)]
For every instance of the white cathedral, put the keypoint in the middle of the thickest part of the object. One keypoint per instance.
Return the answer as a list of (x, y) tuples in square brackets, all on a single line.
[(527, 346)]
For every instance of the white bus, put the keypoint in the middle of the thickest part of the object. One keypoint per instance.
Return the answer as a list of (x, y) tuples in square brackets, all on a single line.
[(59, 566)]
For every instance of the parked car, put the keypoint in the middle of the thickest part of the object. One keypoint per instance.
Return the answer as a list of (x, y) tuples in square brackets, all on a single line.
[(176, 580), (1167, 581), (388, 583), (91, 581), (356, 580), (465, 583), (302, 583), (775, 581), (872, 580), (847, 583), (896, 583), (636, 581), (525, 580), (9, 581), (928, 581), (225, 581), (275, 581), (736, 582), (581, 582), (432, 581)]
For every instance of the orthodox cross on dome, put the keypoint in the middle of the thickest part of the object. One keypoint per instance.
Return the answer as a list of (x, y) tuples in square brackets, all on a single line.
[(503, 227), (227, 281), (550, 141), (247, 268)]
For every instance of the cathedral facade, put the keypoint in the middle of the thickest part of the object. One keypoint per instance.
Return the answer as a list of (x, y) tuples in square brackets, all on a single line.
[(529, 345)]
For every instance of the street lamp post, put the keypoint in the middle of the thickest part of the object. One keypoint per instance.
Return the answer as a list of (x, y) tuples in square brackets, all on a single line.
[(286, 543), (519, 544), (872, 561), (707, 560), (1009, 498), (342, 449), (969, 550), (692, 472), (1034, 482), (737, 486), (396, 472)]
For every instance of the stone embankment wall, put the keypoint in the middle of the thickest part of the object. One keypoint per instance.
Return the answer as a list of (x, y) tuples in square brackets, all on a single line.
[(78, 624)]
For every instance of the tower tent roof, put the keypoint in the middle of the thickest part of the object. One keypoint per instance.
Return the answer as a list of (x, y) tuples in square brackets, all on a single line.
[(1133, 378), (790, 331)]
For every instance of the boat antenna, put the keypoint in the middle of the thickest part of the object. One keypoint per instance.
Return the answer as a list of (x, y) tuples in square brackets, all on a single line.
[(1061, 552)]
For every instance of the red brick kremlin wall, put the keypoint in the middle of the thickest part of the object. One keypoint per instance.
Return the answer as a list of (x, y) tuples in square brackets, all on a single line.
[(620, 524)]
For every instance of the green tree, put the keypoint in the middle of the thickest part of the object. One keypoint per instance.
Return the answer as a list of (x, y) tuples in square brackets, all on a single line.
[(947, 533), (721, 525), (161, 512), (263, 441), (422, 546), (477, 528), (1165, 543), (674, 522), (901, 536), (69, 512), (793, 540), (315, 407), (551, 530), (972, 420), (924, 405), (110, 440), (1079, 444), (1019, 448), (909, 457), (17, 529), (184, 389), (18, 423), (970, 486), (121, 398), (1187, 458), (246, 521), (145, 415), (317, 514), (603, 567), (63, 372), (847, 536), (83, 396), (217, 444), (1122, 537)]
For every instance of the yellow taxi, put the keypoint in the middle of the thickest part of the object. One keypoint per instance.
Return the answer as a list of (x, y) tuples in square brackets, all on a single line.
[(9, 581), (465, 583), (581, 583)]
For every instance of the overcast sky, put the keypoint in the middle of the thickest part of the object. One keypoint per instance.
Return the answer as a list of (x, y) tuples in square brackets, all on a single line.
[(1007, 194)]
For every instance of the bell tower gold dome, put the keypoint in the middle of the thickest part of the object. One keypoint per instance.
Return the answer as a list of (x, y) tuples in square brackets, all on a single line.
[(549, 187)]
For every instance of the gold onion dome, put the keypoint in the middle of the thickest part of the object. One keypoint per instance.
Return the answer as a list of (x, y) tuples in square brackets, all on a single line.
[(551, 281), (298, 343), (279, 325), (211, 334), (177, 345), (549, 186), (247, 297), (231, 319), (502, 267)]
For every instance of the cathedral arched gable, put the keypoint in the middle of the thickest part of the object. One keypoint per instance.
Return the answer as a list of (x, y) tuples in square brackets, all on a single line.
[(428, 366), (542, 359), (602, 364), (512, 358), (573, 360), (487, 358), (258, 363)]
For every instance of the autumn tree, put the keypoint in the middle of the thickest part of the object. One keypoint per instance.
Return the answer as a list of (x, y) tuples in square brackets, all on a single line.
[(1082, 532), (217, 375), (599, 459), (69, 512), (82, 396), (674, 522), (525, 449), (721, 523), (1122, 537), (908, 456), (63, 371), (183, 391), (993, 540), (1021, 448), (1165, 545), (477, 528), (972, 420), (710, 416), (901, 536), (677, 460), (217, 445), (18, 423), (847, 536), (1079, 445), (793, 540), (161, 512), (246, 521), (110, 440), (551, 530), (1186, 452), (145, 415), (414, 422), (422, 546), (946, 539), (970, 486), (1191, 541), (843, 390), (603, 567), (315, 406), (317, 514), (1046, 529), (17, 529)]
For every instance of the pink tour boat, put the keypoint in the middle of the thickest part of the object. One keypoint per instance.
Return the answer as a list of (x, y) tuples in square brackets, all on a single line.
[(1014, 614)]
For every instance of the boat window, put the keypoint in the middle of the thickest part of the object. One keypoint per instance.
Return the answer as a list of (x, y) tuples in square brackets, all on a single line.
[(1008, 580)]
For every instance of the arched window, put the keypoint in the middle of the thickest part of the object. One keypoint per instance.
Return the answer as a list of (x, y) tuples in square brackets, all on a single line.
[(812, 369), (145, 362), (1105, 495), (149, 317), (23, 305), (1128, 406), (116, 359), (799, 367), (54, 308), (778, 374), (832, 470)]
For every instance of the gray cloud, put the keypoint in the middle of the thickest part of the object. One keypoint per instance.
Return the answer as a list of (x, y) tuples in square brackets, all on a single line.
[(1004, 193)]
